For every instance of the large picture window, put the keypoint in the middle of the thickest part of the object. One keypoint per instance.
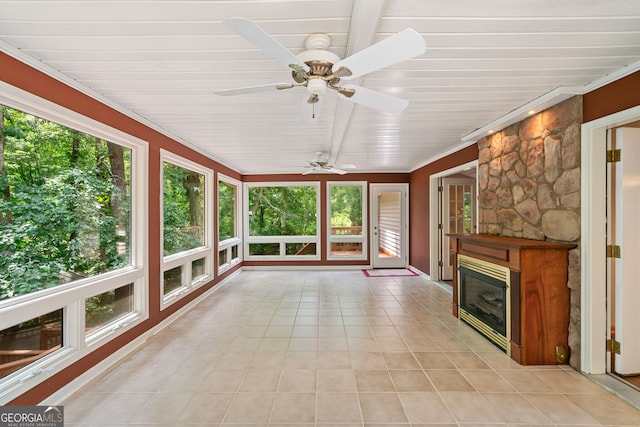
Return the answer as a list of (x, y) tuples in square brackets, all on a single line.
[(72, 240), (347, 220), (282, 221), (229, 210), (65, 209), (186, 226)]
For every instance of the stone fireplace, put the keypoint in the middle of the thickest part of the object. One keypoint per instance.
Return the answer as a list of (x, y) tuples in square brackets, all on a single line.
[(529, 187)]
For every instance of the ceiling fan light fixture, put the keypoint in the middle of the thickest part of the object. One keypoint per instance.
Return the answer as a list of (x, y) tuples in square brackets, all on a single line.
[(316, 86)]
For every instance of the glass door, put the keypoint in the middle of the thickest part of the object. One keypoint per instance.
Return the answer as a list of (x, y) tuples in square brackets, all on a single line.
[(389, 225), (458, 211)]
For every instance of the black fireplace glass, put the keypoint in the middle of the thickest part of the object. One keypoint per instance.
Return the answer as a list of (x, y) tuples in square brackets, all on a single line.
[(485, 298)]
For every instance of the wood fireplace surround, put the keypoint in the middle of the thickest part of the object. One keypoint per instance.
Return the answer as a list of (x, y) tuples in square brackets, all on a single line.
[(539, 296)]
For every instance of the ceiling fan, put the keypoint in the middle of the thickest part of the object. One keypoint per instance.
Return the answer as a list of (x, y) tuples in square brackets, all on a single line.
[(319, 69), (319, 165)]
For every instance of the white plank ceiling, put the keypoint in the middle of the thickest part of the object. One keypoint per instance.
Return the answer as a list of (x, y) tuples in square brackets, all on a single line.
[(162, 61)]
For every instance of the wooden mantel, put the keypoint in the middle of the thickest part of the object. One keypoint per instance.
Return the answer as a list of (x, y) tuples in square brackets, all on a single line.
[(539, 293)]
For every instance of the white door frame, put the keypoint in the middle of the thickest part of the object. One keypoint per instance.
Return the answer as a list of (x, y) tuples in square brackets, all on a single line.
[(403, 260), (593, 235), (434, 202)]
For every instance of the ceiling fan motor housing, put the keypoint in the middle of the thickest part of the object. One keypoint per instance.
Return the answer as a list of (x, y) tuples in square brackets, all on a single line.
[(320, 61)]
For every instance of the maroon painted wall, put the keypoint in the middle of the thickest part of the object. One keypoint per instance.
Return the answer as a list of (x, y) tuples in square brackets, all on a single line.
[(612, 98), (420, 234)]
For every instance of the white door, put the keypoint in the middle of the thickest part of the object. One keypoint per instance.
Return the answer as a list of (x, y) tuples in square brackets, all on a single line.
[(389, 210), (458, 211), (624, 277)]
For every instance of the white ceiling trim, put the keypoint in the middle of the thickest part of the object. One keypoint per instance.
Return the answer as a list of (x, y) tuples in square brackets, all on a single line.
[(546, 101), (537, 105)]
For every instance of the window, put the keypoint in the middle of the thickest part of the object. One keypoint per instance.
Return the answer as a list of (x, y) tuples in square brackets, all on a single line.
[(108, 308), (26, 342), (66, 205), (282, 221), (187, 226), (72, 240), (347, 220), (229, 210)]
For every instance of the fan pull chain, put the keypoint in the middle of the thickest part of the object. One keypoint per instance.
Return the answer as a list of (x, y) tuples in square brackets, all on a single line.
[(313, 110)]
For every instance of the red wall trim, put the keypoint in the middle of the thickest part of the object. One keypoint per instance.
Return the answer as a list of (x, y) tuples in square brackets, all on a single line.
[(612, 98)]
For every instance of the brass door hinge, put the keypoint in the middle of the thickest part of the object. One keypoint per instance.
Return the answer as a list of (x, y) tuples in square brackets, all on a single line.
[(440, 189), (613, 251), (439, 226), (440, 264), (613, 346), (613, 156)]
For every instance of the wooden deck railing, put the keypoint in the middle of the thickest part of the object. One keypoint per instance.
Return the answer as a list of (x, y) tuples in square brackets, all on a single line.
[(344, 246)]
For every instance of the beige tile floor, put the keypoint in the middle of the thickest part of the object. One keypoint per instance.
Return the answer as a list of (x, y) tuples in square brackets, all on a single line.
[(274, 348)]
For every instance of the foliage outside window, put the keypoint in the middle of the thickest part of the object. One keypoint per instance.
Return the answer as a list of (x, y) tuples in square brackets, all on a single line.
[(228, 224), (282, 220), (65, 204), (226, 211), (187, 225), (183, 209), (347, 211)]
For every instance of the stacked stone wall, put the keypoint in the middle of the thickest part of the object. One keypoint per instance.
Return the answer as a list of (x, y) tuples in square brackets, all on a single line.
[(529, 187)]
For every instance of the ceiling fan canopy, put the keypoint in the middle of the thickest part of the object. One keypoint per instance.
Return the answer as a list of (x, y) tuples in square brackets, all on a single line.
[(319, 69)]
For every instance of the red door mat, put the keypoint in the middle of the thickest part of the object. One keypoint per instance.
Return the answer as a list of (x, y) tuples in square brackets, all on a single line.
[(389, 272)]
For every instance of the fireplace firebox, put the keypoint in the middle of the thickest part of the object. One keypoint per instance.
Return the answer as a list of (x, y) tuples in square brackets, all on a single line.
[(484, 299)]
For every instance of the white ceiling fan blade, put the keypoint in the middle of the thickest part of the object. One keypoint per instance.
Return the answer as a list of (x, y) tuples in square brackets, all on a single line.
[(256, 35), (311, 110), (337, 171), (376, 100), (254, 89), (399, 47), (310, 171)]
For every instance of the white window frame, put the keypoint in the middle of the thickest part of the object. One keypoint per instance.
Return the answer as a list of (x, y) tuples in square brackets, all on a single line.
[(348, 239), (71, 297), (281, 240), (227, 245), (185, 258)]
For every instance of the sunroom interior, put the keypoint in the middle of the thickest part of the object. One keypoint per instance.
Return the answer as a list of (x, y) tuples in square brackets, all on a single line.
[(135, 188)]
